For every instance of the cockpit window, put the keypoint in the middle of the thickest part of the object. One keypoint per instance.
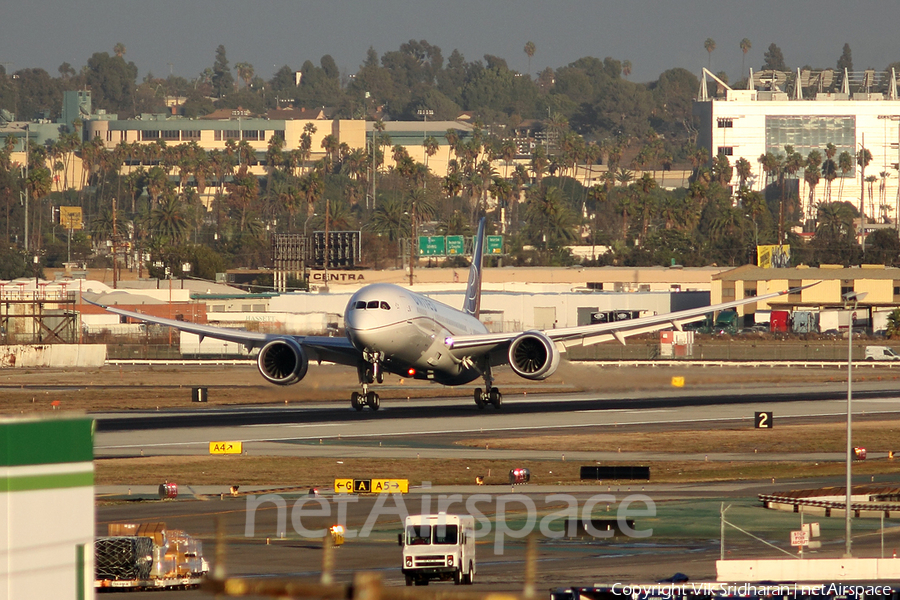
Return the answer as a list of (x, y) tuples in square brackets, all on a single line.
[(385, 305), (372, 304), (360, 304)]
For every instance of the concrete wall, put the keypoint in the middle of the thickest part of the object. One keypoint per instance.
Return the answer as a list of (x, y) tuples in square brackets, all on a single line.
[(53, 355), (818, 569)]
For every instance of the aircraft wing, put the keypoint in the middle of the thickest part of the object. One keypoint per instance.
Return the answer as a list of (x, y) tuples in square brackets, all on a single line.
[(587, 335), (331, 349)]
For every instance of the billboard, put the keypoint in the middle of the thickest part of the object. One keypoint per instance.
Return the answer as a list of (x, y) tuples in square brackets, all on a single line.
[(70, 217), (773, 256)]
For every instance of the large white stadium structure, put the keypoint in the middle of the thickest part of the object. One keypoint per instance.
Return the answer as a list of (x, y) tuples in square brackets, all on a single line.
[(808, 110)]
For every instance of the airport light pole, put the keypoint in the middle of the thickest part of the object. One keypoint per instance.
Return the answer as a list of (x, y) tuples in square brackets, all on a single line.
[(850, 298)]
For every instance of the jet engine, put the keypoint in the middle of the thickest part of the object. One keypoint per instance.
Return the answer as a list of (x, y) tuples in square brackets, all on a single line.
[(533, 355), (283, 361)]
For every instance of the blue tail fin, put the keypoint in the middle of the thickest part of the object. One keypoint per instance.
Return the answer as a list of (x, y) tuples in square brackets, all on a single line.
[(472, 304)]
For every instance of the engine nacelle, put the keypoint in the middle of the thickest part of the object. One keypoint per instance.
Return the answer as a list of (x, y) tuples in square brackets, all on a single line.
[(533, 356), (283, 361)]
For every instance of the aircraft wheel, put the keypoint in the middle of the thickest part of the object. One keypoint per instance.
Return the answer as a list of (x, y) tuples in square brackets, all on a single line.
[(356, 401), (479, 398), (373, 400), (380, 377), (496, 397)]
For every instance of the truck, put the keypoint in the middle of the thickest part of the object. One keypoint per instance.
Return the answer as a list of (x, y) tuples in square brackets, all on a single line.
[(874, 353), (438, 547), (147, 556)]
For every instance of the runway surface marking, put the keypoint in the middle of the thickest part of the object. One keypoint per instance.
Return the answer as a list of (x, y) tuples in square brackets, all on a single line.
[(408, 432)]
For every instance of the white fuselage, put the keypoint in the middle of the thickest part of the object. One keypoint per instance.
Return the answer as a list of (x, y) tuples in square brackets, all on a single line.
[(408, 333)]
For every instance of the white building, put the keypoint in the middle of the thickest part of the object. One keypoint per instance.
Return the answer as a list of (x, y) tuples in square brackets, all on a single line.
[(849, 110)]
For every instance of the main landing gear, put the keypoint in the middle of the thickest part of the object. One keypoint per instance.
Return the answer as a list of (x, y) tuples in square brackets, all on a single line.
[(369, 372), (490, 394)]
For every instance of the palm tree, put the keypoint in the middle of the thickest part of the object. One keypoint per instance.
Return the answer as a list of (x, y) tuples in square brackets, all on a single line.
[(745, 48), (452, 137), (244, 72), (119, 49), (710, 45), (539, 163), (430, 144), (529, 52), (311, 189), (549, 221), (168, 220), (390, 219), (626, 68), (744, 171), (646, 202), (845, 164), (812, 175), (863, 158), (829, 169)]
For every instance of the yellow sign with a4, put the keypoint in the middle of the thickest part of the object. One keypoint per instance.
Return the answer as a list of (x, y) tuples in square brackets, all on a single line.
[(226, 448)]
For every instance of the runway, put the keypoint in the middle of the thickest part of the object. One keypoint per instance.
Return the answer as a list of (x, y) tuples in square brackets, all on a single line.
[(421, 428)]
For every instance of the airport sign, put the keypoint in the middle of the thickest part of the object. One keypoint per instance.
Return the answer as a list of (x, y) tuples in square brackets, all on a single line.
[(226, 447), (763, 420), (371, 486), (799, 538)]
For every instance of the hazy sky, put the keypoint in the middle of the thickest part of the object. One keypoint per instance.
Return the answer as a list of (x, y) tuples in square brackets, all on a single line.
[(653, 35)]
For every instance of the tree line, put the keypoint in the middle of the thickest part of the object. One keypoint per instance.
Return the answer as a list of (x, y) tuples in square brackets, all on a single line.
[(591, 112)]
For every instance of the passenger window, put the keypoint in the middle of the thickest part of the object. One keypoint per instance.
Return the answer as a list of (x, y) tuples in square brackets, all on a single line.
[(360, 305), (372, 304), (385, 306)]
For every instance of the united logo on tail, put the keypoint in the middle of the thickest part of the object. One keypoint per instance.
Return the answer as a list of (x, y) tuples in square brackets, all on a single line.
[(472, 305)]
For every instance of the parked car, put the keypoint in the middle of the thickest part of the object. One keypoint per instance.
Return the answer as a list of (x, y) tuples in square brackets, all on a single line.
[(874, 353)]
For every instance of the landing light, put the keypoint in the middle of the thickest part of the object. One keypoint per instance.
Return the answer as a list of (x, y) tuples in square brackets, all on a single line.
[(448, 341)]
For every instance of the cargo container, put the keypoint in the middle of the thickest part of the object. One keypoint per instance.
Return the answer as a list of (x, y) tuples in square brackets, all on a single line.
[(147, 556), (805, 322), (779, 321)]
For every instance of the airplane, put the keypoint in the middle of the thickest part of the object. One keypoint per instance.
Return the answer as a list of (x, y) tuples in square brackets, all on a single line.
[(391, 329)]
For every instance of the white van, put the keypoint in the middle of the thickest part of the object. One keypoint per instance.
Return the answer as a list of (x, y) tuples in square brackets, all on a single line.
[(440, 547), (881, 353)]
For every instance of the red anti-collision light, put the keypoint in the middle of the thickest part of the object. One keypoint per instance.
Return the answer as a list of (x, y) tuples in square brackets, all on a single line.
[(412, 372)]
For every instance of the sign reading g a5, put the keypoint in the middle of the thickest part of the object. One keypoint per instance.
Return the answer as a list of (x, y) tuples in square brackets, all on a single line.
[(371, 486), (226, 447)]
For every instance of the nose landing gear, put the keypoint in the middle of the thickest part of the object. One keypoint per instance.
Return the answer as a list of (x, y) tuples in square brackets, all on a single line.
[(368, 372)]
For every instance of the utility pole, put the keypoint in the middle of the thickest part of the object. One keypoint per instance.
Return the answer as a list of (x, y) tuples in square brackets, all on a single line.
[(27, 153), (115, 237), (412, 241), (327, 245)]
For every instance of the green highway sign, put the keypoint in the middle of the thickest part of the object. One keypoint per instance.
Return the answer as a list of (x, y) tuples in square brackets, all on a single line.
[(456, 245), (431, 246), (494, 244)]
